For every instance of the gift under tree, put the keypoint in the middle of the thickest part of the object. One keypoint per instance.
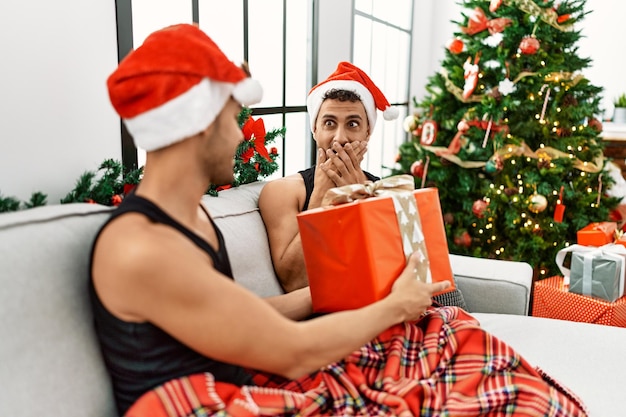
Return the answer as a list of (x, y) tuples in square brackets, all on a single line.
[(508, 134)]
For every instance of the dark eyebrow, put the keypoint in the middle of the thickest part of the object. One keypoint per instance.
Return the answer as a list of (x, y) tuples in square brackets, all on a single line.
[(349, 117)]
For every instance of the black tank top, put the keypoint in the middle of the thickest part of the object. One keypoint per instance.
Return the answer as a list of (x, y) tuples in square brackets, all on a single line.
[(141, 356), (308, 175)]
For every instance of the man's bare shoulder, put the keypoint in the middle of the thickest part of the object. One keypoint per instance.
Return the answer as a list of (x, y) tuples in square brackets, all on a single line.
[(288, 191), (293, 181), (137, 262), (135, 246)]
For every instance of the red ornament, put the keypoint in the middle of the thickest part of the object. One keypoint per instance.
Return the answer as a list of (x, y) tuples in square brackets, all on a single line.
[(559, 210), (274, 151), (463, 239), (417, 169), (478, 208), (429, 132), (563, 18), (456, 46), (116, 200), (529, 45), (257, 166), (595, 124), (224, 187), (128, 188)]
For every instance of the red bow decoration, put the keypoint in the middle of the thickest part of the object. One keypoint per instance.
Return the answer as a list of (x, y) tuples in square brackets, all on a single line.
[(478, 22), (484, 125), (254, 130)]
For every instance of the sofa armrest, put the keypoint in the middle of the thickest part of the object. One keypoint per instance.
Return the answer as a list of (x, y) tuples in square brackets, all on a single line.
[(493, 285)]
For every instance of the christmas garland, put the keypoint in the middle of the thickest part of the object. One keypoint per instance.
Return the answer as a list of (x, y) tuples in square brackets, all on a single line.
[(110, 182), (253, 161)]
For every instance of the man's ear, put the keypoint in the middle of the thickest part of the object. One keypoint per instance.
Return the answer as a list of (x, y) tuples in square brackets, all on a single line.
[(313, 134)]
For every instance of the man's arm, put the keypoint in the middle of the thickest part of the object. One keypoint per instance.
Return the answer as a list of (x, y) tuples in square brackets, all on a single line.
[(157, 276), (279, 204), (295, 305)]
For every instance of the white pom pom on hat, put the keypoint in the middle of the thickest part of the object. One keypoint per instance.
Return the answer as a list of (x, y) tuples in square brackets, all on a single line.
[(174, 85), (349, 77)]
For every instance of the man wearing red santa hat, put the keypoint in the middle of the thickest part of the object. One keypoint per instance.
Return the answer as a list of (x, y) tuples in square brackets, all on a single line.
[(181, 338), (342, 112)]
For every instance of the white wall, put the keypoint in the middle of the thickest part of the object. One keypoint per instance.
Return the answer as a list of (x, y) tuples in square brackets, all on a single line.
[(604, 41), (56, 120), (55, 117)]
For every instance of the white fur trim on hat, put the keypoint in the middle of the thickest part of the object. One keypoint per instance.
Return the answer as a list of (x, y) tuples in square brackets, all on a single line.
[(248, 91), (181, 117), (316, 97), (391, 113)]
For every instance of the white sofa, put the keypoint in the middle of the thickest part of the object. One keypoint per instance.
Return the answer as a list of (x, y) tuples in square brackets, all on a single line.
[(50, 362)]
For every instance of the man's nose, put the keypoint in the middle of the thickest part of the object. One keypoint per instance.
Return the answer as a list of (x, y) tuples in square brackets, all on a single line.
[(341, 136)]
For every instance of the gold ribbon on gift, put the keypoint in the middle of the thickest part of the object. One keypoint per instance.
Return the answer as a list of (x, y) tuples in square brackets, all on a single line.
[(400, 189), (353, 192)]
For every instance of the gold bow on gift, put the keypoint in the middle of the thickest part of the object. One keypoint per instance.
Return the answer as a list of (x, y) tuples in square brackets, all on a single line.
[(353, 192), (400, 188)]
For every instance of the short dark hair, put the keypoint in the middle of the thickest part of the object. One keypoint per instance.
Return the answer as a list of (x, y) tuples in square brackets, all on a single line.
[(341, 95)]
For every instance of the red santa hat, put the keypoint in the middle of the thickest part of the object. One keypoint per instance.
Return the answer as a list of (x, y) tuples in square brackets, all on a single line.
[(174, 85), (351, 78)]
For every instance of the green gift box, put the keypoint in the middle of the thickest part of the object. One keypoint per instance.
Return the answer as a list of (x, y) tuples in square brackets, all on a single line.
[(597, 273)]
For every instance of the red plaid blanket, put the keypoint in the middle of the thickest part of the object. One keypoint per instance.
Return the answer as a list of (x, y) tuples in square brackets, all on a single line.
[(443, 365)]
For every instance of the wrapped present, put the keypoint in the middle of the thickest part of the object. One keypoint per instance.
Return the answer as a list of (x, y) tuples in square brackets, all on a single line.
[(596, 234), (596, 272), (620, 238), (355, 248), (552, 299)]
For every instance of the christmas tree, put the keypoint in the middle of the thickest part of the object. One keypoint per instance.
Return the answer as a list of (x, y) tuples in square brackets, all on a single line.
[(508, 134)]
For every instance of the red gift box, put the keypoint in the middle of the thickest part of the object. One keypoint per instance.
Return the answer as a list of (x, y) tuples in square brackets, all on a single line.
[(353, 252), (597, 234), (552, 299)]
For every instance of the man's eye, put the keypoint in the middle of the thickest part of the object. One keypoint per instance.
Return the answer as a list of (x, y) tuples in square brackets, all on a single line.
[(329, 123), (354, 124)]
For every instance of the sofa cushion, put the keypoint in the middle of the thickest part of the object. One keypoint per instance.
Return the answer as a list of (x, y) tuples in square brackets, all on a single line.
[(452, 298), (51, 362), (236, 213)]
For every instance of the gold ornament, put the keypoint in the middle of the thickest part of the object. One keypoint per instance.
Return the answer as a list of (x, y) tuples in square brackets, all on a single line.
[(538, 203)]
